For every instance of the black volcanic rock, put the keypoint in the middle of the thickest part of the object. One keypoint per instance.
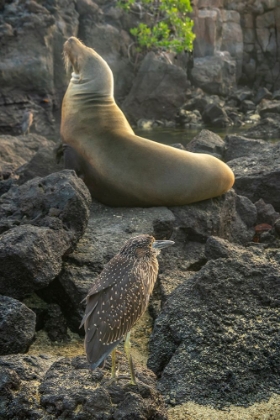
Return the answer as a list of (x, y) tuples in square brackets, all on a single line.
[(257, 176), (41, 221), (217, 339), (42, 387), (17, 326)]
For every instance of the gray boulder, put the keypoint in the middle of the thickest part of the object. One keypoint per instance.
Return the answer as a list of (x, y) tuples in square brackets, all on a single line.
[(248, 106), (58, 201), (216, 116), (269, 107), (242, 94), (17, 326), (30, 258), (158, 89), (216, 341), (230, 216), (207, 142), (43, 163), (32, 75), (237, 146), (215, 74), (41, 220), (257, 176), (276, 95), (198, 100), (16, 151), (266, 213), (267, 128), (262, 93)]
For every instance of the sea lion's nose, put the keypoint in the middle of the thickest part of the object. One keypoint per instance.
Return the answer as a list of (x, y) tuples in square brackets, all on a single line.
[(70, 43), (71, 40)]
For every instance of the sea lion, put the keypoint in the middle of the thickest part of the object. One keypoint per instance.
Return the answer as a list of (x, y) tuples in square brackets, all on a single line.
[(119, 167)]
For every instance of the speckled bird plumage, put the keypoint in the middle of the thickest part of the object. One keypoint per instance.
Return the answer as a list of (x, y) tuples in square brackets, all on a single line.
[(119, 297)]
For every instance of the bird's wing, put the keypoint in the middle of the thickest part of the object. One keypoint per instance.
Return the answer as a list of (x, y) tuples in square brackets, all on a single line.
[(111, 312), (96, 349), (109, 275)]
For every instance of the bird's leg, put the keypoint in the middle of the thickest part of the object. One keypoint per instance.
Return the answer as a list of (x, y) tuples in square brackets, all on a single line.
[(127, 348), (113, 370)]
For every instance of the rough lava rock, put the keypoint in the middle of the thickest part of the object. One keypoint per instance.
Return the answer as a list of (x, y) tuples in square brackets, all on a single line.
[(237, 146), (230, 216), (266, 213), (215, 74), (16, 151), (17, 326), (30, 257), (69, 384), (158, 89), (40, 221), (32, 75), (216, 341), (57, 201), (267, 128), (207, 142), (19, 381), (43, 163), (215, 116), (42, 387), (257, 176)]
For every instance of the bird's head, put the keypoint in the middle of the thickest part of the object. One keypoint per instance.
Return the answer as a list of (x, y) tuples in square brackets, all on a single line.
[(143, 246)]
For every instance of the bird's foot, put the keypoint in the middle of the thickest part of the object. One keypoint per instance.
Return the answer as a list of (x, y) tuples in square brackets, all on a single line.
[(132, 381), (116, 378)]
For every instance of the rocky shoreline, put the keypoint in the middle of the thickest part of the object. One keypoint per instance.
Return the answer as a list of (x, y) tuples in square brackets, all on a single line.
[(216, 305), (214, 351)]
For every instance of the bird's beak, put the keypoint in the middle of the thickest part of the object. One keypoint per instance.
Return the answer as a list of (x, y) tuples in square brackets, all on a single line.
[(162, 244)]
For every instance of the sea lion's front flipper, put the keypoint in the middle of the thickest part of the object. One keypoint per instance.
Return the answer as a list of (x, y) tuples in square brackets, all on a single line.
[(72, 160)]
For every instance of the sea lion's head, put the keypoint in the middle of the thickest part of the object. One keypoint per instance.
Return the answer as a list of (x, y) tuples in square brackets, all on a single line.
[(90, 70)]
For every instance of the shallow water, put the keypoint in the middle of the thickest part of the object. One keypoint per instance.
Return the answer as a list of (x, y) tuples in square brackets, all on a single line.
[(173, 135)]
